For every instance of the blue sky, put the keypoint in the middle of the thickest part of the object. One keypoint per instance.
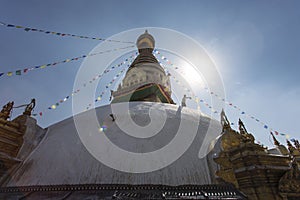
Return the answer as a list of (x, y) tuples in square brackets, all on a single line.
[(255, 45)]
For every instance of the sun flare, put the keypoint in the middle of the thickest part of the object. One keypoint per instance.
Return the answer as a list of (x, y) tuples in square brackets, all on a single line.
[(192, 76)]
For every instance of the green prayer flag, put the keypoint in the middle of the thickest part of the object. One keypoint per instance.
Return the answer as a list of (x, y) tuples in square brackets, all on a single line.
[(18, 72)]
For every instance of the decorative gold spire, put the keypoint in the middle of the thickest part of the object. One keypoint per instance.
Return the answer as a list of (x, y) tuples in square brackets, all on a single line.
[(29, 107), (283, 150), (276, 143), (246, 137), (224, 121), (6, 110), (242, 127)]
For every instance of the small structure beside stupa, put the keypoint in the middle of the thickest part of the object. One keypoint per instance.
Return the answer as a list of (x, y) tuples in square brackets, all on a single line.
[(253, 169), (18, 138)]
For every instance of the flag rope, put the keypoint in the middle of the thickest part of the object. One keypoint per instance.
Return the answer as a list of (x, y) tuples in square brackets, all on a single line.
[(28, 29), (162, 57), (129, 60), (27, 69)]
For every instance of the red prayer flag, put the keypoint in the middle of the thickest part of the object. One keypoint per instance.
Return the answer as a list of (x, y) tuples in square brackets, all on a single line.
[(41, 114)]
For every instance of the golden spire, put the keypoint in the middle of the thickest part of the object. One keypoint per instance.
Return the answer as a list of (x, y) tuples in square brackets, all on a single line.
[(276, 143)]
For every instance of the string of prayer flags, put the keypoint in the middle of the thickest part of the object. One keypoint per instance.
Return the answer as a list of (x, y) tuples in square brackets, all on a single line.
[(129, 60), (159, 55), (99, 98), (54, 106), (28, 29), (197, 100), (27, 69)]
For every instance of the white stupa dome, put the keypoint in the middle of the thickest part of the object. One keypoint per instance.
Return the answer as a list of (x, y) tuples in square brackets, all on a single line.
[(61, 157)]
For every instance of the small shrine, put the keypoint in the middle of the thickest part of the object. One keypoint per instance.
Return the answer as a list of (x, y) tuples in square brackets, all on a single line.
[(258, 172)]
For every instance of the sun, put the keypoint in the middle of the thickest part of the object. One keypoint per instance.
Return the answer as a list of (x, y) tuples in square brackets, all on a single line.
[(192, 76)]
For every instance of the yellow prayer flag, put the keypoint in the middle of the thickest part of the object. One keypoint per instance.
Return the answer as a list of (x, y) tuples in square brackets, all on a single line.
[(287, 136), (9, 73)]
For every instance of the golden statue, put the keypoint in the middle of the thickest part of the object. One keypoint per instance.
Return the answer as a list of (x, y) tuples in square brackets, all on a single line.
[(29, 107), (283, 150), (6, 110)]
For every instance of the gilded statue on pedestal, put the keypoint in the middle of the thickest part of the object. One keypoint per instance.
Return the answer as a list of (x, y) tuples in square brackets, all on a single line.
[(6, 110)]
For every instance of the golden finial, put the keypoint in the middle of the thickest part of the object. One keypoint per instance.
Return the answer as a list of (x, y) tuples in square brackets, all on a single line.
[(275, 140)]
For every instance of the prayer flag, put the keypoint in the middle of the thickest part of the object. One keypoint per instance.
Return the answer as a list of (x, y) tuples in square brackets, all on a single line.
[(18, 72), (287, 136)]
